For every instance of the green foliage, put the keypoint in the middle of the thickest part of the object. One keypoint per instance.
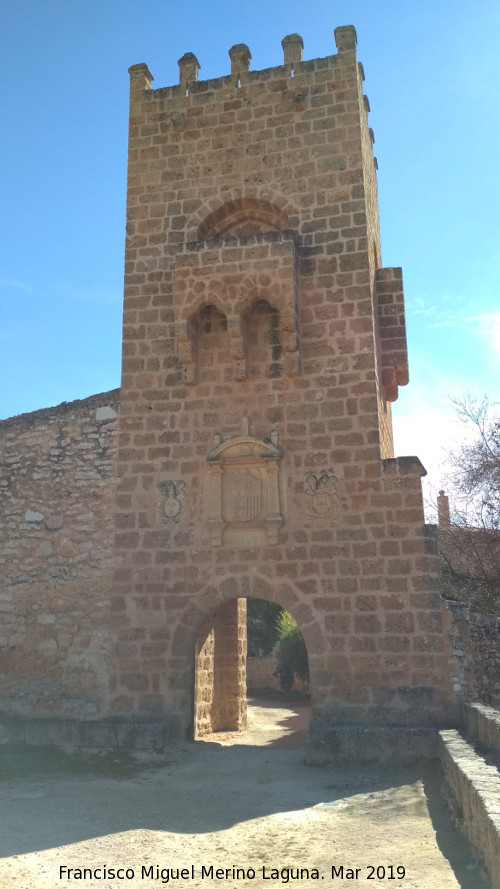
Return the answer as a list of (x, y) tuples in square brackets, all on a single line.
[(262, 633), (290, 651), (271, 630)]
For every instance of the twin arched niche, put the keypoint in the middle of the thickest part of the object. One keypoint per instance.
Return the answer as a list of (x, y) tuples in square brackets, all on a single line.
[(251, 348), (236, 309), (243, 216)]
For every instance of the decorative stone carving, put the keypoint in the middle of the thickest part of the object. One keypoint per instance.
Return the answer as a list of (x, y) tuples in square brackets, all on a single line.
[(299, 100), (178, 121), (170, 501), (242, 494), (322, 494), (243, 506)]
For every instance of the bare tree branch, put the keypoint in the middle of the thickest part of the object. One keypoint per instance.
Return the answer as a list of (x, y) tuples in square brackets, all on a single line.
[(470, 547)]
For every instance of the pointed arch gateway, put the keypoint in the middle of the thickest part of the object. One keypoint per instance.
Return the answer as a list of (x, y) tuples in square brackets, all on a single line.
[(219, 640)]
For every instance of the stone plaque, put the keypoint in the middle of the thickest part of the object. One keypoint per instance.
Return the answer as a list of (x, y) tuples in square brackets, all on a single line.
[(170, 501), (243, 502)]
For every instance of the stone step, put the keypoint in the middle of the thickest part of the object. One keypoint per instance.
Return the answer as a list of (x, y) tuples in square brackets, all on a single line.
[(475, 785)]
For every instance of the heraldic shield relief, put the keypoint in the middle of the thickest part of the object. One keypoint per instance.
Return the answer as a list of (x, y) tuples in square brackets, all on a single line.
[(243, 491), (170, 500), (322, 494), (242, 494)]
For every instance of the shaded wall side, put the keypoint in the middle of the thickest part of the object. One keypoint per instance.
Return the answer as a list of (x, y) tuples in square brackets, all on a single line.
[(371, 213)]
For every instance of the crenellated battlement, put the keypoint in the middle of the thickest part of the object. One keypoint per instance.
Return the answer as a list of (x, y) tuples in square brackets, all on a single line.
[(240, 73)]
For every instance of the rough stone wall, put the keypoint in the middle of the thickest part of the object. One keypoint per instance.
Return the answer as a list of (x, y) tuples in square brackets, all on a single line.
[(475, 644), (56, 473), (236, 479)]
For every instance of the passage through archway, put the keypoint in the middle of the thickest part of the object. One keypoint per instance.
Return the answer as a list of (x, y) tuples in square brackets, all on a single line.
[(278, 674)]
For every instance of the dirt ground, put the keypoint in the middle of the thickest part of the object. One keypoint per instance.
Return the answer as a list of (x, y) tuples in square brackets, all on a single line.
[(246, 804)]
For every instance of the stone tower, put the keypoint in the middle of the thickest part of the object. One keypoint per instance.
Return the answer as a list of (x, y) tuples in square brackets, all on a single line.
[(263, 343)]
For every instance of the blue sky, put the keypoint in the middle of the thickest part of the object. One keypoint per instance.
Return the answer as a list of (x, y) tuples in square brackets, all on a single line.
[(432, 78)]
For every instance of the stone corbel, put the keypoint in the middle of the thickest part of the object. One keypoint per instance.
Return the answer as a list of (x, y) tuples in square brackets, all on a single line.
[(392, 379)]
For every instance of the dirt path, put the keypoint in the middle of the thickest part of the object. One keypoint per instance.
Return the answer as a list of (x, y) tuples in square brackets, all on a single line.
[(229, 805)]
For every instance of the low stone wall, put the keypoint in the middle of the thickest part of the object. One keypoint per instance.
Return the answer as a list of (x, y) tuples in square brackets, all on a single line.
[(139, 735), (475, 643), (260, 673), (369, 744), (476, 788), (483, 723)]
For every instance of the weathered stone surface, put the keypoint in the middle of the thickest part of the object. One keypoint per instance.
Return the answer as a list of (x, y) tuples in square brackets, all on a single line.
[(54, 522), (32, 516), (475, 641), (105, 413)]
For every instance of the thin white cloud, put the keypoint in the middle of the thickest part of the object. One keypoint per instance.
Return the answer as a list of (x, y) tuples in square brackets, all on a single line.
[(425, 424), (14, 284), (437, 315), (444, 324), (458, 314), (429, 434), (488, 326)]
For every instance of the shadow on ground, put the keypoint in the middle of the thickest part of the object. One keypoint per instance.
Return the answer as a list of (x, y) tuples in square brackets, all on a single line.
[(50, 799)]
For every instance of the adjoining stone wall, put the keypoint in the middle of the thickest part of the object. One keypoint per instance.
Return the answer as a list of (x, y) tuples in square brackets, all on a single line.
[(56, 537), (475, 644)]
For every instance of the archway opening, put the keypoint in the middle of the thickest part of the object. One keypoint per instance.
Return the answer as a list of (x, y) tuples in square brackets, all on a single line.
[(251, 676)]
